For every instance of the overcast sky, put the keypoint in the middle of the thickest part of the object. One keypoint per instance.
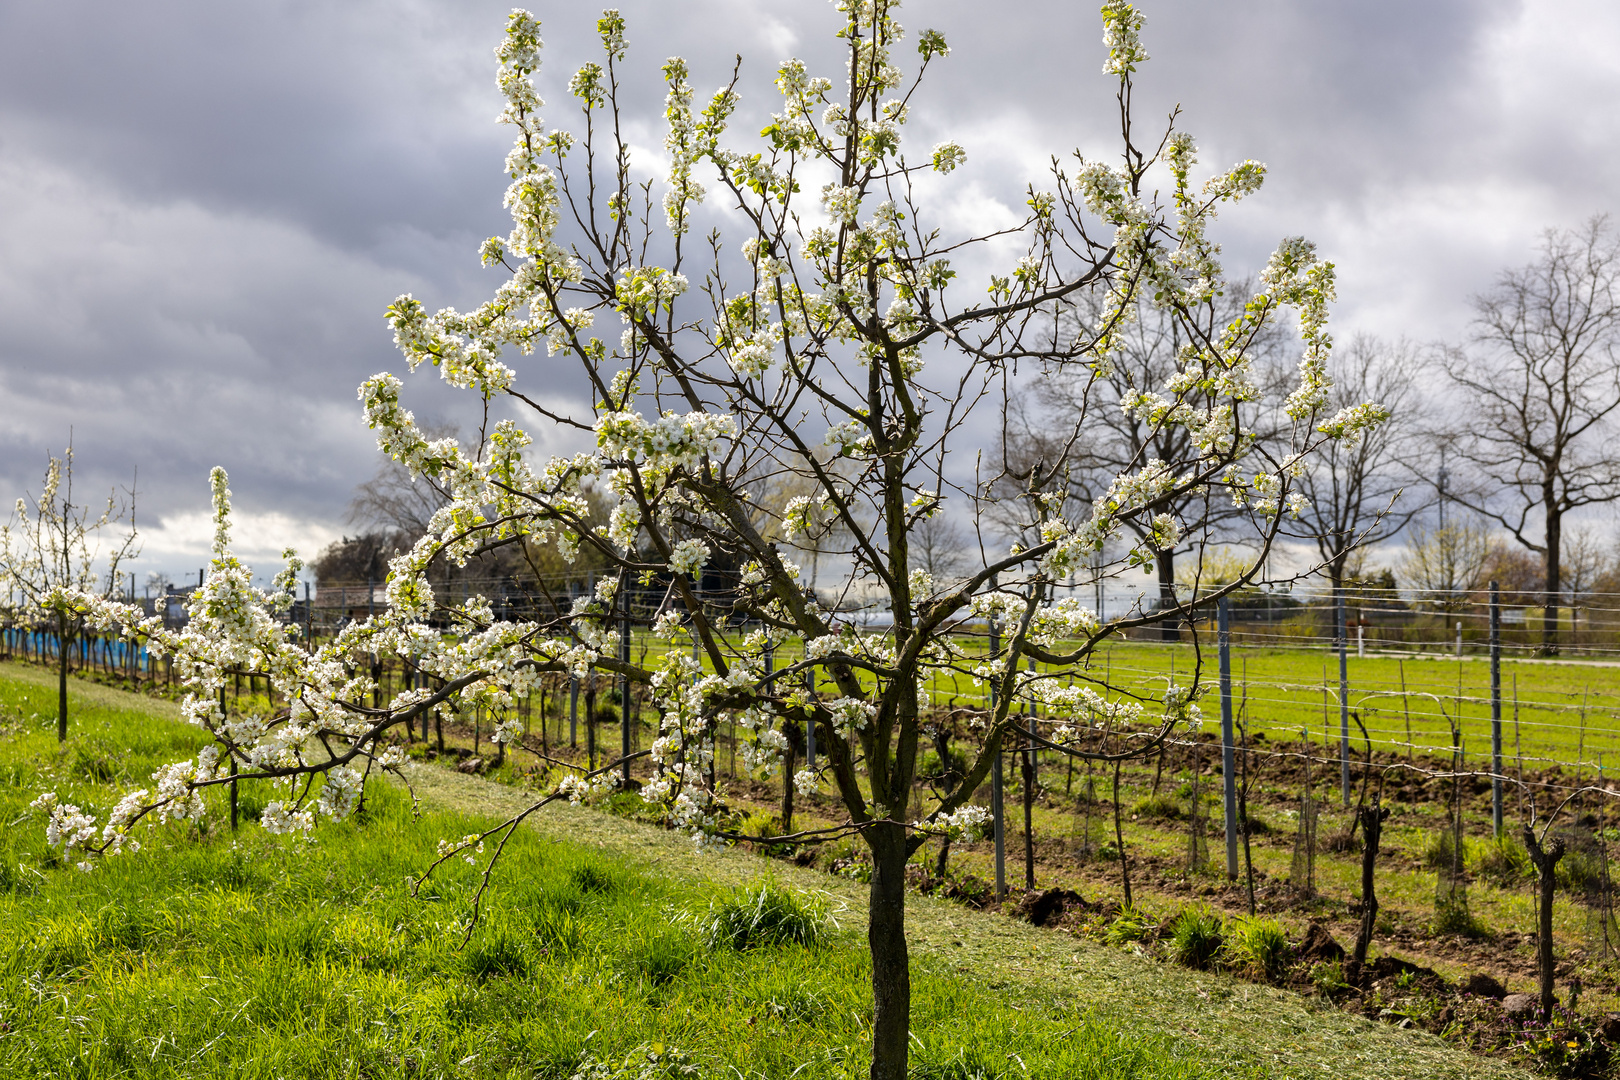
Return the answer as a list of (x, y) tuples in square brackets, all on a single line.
[(205, 207)]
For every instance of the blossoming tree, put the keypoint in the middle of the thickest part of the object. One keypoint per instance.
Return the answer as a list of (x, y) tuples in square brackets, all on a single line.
[(830, 346), (56, 549)]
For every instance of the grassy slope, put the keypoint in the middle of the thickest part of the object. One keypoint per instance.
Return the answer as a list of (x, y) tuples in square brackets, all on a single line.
[(134, 970), (264, 957)]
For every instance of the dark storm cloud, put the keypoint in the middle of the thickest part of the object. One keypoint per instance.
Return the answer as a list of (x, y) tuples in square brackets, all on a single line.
[(206, 207)]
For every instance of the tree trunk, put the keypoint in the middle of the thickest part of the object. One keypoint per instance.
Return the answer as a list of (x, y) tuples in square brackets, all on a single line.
[(1027, 764), (886, 937), (1545, 860), (1372, 831), (61, 678), (1549, 615), (789, 761), (1335, 564), (1119, 841), (1170, 629), (948, 780)]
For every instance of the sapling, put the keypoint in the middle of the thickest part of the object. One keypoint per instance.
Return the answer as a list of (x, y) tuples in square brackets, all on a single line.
[(55, 549)]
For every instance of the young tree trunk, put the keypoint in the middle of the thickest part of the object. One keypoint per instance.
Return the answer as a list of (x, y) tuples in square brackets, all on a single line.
[(789, 762), (61, 678), (1545, 860), (1372, 831), (1027, 763), (1549, 615), (886, 938), (1170, 629), (949, 779), (1119, 841), (1243, 819)]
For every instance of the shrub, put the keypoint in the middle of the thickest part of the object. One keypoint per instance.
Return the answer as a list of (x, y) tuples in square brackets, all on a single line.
[(765, 915), (1259, 945), (1195, 938)]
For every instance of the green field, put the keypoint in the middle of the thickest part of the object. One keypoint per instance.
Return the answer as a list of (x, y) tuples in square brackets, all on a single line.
[(1567, 711), (1554, 712), (208, 954)]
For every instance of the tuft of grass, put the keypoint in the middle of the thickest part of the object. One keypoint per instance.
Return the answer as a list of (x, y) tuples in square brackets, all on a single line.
[(1131, 924), (960, 1066), (1259, 945), (1440, 852), (1158, 808), (1455, 917), (765, 915), (1502, 861), (660, 954), (1196, 937)]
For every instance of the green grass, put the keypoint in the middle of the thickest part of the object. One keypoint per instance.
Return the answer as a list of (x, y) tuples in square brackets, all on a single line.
[(205, 955), (256, 956), (1290, 688), (1285, 690)]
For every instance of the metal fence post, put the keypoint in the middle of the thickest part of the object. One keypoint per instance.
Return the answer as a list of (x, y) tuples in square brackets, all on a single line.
[(1496, 710), (1223, 638)]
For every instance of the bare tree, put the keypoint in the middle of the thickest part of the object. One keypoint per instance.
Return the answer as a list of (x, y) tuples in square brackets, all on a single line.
[(55, 548), (359, 559), (1358, 491), (1444, 565), (940, 548), (1543, 383), (394, 501), (1087, 417)]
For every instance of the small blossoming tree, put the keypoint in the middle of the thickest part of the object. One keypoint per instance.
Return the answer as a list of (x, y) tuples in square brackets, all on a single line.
[(830, 348), (55, 548)]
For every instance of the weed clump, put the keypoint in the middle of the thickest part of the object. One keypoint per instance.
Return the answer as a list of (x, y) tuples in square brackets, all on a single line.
[(1196, 937), (647, 1062), (1157, 808), (1259, 945), (1131, 924), (763, 916), (1502, 860)]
